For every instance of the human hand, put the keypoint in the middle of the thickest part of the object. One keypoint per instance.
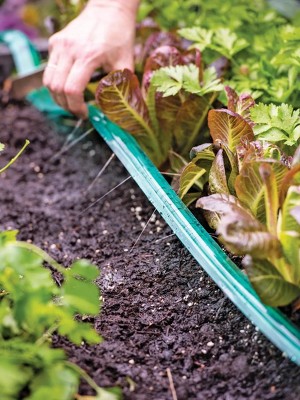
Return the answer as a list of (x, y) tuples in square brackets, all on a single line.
[(101, 36)]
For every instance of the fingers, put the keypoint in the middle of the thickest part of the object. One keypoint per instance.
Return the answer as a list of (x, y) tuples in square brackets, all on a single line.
[(66, 79), (75, 84), (80, 48)]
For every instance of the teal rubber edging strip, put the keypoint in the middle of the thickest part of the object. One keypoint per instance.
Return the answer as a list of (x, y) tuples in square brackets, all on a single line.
[(231, 280), (26, 57)]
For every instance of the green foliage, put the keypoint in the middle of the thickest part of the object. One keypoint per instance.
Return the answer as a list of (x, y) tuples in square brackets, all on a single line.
[(222, 40), (278, 124), (67, 10), (32, 306), (263, 46), (234, 13), (170, 80)]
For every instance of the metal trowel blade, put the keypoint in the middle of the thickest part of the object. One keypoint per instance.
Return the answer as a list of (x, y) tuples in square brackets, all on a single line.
[(18, 87)]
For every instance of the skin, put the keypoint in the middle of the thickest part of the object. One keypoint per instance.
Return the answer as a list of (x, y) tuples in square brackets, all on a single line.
[(101, 36)]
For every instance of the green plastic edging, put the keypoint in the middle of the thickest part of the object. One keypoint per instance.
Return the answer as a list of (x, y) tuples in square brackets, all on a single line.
[(25, 56), (27, 59), (231, 280)]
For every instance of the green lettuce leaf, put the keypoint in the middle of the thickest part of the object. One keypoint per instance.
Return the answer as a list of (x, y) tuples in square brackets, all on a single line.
[(120, 98), (289, 231), (250, 188), (190, 118), (196, 172), (229, 128), (217, 175), (269, 284), (241, 232)]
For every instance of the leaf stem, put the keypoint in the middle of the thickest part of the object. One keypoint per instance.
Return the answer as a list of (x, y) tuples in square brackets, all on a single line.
[(271, 197), (15, 157), (39, 252), (46, 334), (191, 139), (81, 372)]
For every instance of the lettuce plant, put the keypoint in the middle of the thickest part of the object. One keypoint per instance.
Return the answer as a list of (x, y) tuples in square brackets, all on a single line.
[(228, 128), (263, 222), (170, 107), (252, 193)]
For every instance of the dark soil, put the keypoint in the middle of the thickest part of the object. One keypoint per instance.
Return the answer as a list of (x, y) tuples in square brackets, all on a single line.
[(160, 309)]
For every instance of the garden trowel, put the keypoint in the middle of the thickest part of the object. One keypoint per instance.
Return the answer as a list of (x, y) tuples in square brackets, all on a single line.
[(18, 87)]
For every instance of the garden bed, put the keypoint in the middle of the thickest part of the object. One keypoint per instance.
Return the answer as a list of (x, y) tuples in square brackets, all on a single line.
[(160, 309)]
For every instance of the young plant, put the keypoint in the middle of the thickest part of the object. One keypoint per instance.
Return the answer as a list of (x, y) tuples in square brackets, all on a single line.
[(162, 114), (32, 307), (15, 157), (263, 223), (254, 196), (277, 124), (228, 128), (262, 46)]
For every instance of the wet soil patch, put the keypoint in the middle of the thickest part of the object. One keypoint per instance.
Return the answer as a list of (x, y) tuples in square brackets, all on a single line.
[(160, 309)]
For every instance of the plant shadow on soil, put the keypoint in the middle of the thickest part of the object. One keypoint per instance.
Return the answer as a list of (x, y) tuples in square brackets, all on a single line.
[(160, 309)]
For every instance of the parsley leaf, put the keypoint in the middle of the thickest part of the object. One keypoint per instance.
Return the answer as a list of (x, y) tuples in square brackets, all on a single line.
[(276, 123)]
